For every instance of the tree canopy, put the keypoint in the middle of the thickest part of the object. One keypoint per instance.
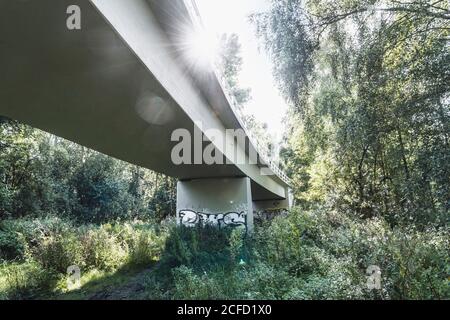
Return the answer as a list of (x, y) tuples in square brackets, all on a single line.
[(368, 84)]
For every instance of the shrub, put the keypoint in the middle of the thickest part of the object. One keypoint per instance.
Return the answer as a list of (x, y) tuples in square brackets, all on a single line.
[(25, 280), (35, 230), (262, 281), (143, 241), (246, 282), (58, 252), (102, 250), (200, 247), (415, 264), (12, 246), (329, 255), (316, 254), (145, 248), (189, 285), (237, 243)]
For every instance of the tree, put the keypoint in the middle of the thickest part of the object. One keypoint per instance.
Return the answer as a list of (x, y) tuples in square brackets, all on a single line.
[(42, 174), (368, 82), (230, 63)]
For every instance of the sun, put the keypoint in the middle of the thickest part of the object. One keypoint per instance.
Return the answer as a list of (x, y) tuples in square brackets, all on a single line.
[(200, 49)]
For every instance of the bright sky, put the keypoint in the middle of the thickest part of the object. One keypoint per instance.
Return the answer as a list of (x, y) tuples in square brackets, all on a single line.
[(231, 16)]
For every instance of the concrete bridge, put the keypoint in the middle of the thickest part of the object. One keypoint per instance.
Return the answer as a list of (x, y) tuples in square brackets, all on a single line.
[(121, 84)]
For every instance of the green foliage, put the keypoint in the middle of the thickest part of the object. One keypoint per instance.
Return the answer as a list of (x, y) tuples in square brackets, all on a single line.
[(230, 62), (25, 280), (41, 174), (163, 202), (200, 246), (323, 255), (334, 251), (146, 246), (313, 255), (12, 246), (102, 250), (59, 251), (44, 249), (193, 286), (25, 235), (101, 193), (290, 45), (316, 254), (368, 81)]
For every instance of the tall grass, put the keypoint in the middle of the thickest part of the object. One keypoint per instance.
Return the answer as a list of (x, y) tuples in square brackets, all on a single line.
[(316, 254), (36, 253)]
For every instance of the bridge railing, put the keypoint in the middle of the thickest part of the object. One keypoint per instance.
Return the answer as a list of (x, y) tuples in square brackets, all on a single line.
[(262, 150)]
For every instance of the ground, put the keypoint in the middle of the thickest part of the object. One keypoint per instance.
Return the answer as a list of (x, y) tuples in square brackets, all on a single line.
[(121, 285)]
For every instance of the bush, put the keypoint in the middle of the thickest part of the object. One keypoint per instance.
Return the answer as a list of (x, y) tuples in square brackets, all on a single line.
[(316, 254), (58, 252), (50, 245), (189, 285), (25, 280), (21, 238), (415, 264), (35, 230), (200, 247), (102, 249), (50, 241), (12, 246), (146, 247), (101, 190), (144, 242)]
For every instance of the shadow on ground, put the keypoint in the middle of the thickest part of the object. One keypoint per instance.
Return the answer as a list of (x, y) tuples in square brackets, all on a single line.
[(127, 283)]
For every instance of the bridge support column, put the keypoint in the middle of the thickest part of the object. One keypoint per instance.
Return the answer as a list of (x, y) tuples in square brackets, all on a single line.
[(219, 201), (262, 206)]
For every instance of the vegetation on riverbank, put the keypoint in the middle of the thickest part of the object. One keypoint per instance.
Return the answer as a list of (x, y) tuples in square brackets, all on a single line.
[(317, 254)]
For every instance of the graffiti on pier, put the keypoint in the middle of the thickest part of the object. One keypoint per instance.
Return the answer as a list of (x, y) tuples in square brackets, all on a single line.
[(191, 218)]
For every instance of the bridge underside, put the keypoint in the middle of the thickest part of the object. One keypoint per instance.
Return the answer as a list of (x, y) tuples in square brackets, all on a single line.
[(93, 86)]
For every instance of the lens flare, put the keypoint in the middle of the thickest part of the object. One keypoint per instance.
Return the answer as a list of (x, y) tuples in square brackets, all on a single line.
[(200, 49)]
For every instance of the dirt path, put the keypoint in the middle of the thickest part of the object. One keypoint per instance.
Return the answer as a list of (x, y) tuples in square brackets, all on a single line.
[(133, 289)]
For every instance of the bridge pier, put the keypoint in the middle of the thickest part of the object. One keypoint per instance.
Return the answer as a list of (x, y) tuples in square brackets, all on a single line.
[(217, 201), (268, 205), (268, 209)]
